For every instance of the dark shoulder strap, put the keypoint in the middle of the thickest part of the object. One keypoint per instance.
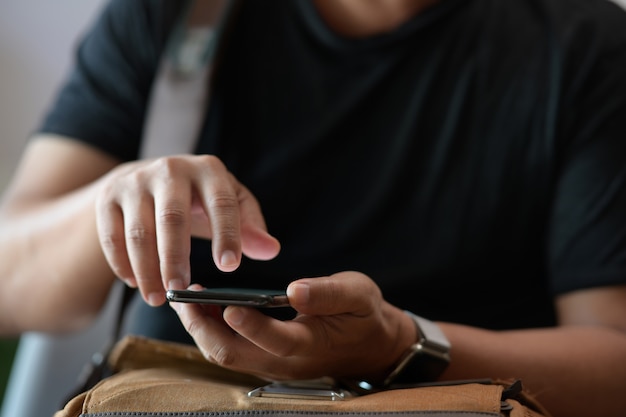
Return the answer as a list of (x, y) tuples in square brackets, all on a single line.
[(166, 19)]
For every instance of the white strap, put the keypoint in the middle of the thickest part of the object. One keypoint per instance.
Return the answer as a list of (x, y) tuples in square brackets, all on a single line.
[(180, 93)]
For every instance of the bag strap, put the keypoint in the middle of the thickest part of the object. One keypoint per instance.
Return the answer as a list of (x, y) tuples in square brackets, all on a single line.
[(180, 94), (177, 107)]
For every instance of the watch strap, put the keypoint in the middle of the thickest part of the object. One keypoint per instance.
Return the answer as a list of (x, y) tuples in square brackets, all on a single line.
[(425, 360)]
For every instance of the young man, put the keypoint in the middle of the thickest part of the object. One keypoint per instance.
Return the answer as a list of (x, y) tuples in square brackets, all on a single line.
[(462, 160)]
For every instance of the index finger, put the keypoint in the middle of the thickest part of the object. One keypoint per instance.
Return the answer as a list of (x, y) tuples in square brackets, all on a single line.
[(173, 226), (219, 193)]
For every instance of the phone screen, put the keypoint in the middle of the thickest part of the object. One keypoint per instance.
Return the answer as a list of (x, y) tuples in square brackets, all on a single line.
[(251, 297)]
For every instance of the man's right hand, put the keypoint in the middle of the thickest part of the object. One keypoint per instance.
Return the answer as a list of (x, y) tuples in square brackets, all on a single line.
[(147, 211)]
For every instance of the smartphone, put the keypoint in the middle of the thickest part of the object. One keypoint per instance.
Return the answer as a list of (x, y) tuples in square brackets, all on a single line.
[(250, 297)]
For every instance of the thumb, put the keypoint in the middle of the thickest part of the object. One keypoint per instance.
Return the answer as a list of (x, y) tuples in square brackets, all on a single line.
[(342, 293)]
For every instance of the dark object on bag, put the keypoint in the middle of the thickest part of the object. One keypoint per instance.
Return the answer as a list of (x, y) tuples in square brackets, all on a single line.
[(98, 367), (155, 378)]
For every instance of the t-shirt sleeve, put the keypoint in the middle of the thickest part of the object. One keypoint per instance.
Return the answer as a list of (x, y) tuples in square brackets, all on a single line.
[(587, 240), (103, 100)]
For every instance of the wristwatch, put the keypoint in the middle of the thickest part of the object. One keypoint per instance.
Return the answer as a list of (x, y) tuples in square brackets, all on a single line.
[(425, 360)]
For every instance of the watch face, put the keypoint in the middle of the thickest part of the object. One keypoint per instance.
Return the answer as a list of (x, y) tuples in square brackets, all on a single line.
[(431, 334)]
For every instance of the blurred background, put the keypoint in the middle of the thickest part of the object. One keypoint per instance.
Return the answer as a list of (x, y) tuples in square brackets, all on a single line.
[(37, 39)]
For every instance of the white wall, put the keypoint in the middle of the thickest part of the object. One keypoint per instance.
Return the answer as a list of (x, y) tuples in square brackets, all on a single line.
[(37, 38)]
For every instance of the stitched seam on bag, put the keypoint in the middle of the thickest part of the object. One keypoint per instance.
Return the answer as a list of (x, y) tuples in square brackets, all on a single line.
[(287, 412)]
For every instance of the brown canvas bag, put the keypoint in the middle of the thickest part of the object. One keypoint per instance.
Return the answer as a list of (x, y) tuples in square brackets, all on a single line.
[(156, 378)]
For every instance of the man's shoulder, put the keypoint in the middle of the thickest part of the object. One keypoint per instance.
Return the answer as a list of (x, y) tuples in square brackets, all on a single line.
[(156, 15), (601, 21)]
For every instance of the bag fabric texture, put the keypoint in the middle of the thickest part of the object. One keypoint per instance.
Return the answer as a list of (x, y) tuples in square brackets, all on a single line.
[(157, 378)]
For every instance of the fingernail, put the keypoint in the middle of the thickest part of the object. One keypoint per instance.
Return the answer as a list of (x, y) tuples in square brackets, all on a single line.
[(299, 292), (228, 259), (234, 315), (155, 299)]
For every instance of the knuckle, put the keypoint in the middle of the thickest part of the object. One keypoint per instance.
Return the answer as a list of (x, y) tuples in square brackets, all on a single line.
[(211, 162), (172, 216), (105, 195), (139, 235), (195, 325), (132, 182), (223, 356), (110, 240), (166, 167), (206, 353), (165, 163), (165, 172), (220, 200), (332, 290), (375, 295), (325, 339), (228, 233), (212, 167)]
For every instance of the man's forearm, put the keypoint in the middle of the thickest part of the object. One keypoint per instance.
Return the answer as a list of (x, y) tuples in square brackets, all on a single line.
[(53, 274), (573, 371)]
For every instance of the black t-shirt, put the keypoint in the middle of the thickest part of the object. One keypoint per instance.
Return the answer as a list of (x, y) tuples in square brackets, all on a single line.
[(472, 162)]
